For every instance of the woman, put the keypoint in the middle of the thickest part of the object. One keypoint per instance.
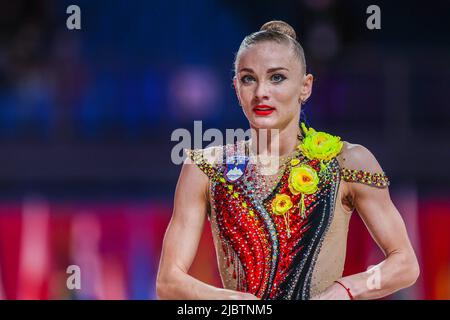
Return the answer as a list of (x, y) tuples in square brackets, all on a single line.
[(282, 234)]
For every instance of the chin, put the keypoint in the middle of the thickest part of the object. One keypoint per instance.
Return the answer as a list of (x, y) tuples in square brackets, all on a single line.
[(265, 123)]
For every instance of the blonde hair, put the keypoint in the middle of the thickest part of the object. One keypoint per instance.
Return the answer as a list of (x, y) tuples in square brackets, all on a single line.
[(275, 30)]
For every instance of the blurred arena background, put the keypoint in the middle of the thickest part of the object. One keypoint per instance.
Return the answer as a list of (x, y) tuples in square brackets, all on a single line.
[(86, 118)]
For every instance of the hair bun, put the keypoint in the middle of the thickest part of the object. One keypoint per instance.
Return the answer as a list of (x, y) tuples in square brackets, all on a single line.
[(279, 26)]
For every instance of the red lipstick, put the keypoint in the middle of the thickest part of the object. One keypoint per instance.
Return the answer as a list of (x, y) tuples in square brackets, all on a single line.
[(263, 110)]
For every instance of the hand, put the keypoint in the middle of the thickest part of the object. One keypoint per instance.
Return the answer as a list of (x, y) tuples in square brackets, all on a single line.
[(333, 292)]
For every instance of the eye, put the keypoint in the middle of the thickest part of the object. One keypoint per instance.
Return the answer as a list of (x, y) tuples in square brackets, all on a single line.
[(277, 77), (247, 79)]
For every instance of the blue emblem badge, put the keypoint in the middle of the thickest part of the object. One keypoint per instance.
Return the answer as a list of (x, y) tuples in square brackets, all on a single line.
[(235, 168)]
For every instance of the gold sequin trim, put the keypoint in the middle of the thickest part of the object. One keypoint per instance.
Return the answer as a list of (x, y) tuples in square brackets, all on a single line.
[(379, 180), (197, 158)]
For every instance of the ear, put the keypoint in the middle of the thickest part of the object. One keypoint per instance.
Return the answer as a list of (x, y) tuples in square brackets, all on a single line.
[(306, 88)]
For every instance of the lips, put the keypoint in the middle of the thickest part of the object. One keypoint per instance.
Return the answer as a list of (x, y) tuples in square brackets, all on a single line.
[(263, 110)]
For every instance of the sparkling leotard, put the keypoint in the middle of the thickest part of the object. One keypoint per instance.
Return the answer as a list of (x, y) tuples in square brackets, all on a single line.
[(261, 247)]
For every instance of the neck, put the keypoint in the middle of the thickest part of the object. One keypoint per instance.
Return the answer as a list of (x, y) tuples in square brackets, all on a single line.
[(275, 142)]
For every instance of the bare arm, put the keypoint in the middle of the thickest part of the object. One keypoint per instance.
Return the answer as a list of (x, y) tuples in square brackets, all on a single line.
[(400, 268), (181, 242)]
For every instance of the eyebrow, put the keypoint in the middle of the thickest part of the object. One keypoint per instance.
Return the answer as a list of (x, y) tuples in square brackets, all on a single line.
[(268, 71)]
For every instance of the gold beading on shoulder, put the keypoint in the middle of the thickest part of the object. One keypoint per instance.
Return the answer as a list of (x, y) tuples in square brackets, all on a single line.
[(379, 180), (196, 156)]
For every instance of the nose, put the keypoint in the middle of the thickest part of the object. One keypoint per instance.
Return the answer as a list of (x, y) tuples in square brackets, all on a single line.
[(261, 91)]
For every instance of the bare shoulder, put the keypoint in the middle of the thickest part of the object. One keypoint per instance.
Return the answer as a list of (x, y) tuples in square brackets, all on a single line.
[(192, 181), (199, 167), (358, 157), (364, 175)]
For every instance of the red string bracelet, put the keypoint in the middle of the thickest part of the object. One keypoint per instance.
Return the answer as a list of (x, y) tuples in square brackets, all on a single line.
[(347, 289)]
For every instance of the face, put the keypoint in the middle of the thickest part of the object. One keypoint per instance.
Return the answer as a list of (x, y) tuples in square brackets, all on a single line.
[(270, 84)]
